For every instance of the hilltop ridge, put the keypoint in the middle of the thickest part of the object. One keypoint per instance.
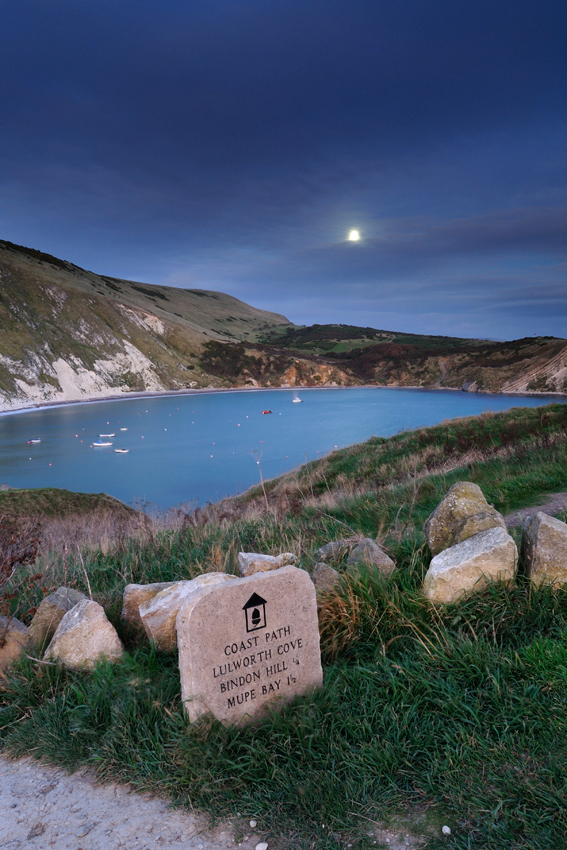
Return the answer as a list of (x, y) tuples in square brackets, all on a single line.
[(67, 334), (70, 334)]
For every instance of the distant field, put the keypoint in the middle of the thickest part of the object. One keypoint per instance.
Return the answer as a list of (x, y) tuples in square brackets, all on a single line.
[(327, 339)]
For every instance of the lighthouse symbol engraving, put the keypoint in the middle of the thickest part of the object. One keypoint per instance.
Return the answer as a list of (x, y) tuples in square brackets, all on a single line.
[(255, 613)]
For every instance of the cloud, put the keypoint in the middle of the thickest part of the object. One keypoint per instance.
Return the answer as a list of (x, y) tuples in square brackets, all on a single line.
[(232, 145)]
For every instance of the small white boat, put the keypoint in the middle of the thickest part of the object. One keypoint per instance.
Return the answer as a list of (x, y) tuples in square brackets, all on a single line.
[(107, 435), (34, 441), (98, 444), (121, 451), (297, 400), (124, 429)]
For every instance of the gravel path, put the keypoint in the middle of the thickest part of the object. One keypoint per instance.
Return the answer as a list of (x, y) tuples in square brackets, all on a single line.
[(556, 503), (43, 808)]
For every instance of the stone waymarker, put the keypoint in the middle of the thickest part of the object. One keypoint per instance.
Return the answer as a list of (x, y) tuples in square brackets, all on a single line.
[(247, 644)]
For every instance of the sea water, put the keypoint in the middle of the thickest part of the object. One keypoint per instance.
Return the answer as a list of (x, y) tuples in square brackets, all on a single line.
[(198, 448)]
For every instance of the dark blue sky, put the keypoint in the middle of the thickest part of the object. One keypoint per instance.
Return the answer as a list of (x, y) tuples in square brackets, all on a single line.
[(232, 144)]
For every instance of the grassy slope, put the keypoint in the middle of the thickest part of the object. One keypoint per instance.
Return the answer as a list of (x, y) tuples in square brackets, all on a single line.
[(54, 502), (459, 712), (50, 308), (515, 456), (325, 339), (200, 310), (388, 357)]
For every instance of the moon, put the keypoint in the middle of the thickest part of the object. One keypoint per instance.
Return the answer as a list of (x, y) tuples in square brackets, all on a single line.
[(353, 235)]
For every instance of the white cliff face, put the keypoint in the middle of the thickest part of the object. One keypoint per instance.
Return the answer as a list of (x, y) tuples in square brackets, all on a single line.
[(143, 320), (75, 381)]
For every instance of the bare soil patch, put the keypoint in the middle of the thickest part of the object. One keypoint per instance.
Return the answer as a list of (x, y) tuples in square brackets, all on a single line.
[(43, 807)]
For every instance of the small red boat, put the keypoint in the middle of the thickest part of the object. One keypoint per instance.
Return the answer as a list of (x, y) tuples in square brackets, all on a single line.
[(266, 411)]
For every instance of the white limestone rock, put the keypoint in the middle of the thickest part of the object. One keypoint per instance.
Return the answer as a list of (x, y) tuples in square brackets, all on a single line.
[(471, 565), (544, 549), (325, 577), (49, 614), (137, 594), (461, 514), (13, 637), (253, 562), (335, 550), (85, 636), (369, 554), (159, 614)]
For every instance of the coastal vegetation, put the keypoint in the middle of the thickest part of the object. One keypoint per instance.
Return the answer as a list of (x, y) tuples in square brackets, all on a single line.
[(401, 359), (428, 715), (70, 334)]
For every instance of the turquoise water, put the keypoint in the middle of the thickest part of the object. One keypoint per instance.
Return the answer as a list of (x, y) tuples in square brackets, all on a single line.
[(200, 448)]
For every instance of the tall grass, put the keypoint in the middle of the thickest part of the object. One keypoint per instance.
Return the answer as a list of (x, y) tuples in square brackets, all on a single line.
[(459, 711), (462, 710)]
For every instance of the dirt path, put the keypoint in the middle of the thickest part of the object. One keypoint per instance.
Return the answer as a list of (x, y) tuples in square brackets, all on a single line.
[(42, 808), (556, 503)]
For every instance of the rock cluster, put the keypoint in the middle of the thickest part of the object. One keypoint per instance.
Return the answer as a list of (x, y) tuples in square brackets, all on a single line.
[(75, 628), (470, 544), (471, 547), (463, 513), (363, 555), (468, 539)]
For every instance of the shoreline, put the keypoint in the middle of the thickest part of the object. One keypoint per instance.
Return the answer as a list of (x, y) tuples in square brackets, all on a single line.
[(210, 390)]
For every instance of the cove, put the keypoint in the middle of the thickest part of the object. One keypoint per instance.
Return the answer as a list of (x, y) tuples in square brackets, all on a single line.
[(193, 449)]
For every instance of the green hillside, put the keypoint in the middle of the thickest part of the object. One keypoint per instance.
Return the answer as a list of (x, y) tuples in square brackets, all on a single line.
[(70, 334), (533, 364), (428, 716), (66, 333), (54, 502)]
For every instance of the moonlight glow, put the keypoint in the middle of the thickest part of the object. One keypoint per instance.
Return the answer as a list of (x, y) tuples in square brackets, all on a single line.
[(353, 235)]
